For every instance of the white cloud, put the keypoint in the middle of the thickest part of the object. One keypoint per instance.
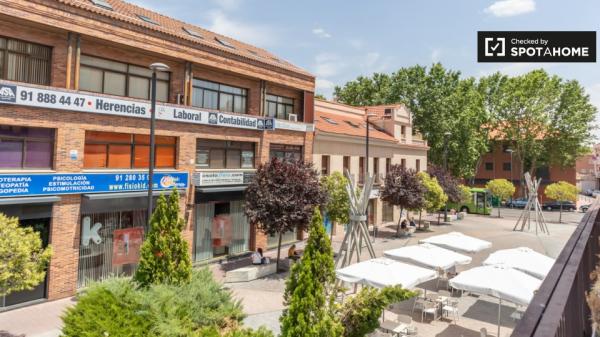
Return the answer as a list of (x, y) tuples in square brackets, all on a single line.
[(435, 55), (320, 32), (356, 43), (324, 85), (256, 34), (504, 8), (371, 59), (327, 65), (228, 4)]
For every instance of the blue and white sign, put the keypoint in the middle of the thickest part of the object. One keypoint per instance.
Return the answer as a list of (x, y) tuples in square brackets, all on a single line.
[(18, 185), (109, 105)]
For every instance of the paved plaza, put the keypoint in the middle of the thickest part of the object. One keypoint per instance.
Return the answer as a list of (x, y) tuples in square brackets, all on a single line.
[(263, 299)]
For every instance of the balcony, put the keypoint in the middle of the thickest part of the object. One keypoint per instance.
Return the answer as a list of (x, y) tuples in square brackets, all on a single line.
[(559, 308)]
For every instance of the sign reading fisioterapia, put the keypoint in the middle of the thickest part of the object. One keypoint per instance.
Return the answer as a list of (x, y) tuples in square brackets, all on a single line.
[(74, 101)]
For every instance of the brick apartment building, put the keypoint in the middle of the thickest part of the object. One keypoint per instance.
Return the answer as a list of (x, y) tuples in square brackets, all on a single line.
[(498, 163), (340, 145), (74, 126)]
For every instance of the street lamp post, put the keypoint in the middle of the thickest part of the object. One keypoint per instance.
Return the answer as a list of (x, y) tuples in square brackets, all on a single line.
[(155, 67), (366, 173), (446, 138), (511, 169)]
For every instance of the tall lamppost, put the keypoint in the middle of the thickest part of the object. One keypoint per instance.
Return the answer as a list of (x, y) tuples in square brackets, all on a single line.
[(509, 150), (366, 171), (446, 139), (155, 67)]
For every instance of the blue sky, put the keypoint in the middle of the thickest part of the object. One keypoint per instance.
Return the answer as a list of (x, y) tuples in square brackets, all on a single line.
[(339, 40)]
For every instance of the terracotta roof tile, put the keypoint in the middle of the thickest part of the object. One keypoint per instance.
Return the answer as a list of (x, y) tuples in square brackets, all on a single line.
[(347, 125), (129, 13)]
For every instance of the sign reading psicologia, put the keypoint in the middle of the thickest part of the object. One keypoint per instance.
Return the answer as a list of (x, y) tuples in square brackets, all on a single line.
[(14, 185), (74, 101)]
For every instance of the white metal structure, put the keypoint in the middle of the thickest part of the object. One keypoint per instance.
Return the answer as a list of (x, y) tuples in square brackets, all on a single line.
[(501, 282), (357, 233), (458, 241), (524, 259), (382, 272), (533, 206), (429, 256)]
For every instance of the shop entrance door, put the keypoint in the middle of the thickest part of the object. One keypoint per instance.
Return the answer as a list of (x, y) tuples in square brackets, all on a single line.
[(41, 226)]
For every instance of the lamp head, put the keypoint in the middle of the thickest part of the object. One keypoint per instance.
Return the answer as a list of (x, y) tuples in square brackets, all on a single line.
[(159, 67)]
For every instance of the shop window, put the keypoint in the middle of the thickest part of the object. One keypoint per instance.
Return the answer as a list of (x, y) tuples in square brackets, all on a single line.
[(125, 151), (346, 164), (279, 107), (403, 163), (24, 61), (216, 96), (489, 166), (220, 154), (26, 148), (418, 165), (388, 164), (121, 79), (325, 165), (506, 166), (97, 258), (387, 212), (221, 230), (286, 152), (286, 238)]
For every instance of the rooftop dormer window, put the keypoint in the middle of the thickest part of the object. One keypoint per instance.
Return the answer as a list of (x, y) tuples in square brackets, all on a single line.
[(193, 32), (102, 3), (224, 42), (147, 19)]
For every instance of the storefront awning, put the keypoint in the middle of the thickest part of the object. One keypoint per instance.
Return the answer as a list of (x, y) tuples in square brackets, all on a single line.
[(221, 189), (116, 195), (29, 200)]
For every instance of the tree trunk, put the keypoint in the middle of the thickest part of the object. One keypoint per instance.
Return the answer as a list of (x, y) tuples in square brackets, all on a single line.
[(279, 250), (399, 221), (499, 203), (439, 215), (560, 213), (420, 218)]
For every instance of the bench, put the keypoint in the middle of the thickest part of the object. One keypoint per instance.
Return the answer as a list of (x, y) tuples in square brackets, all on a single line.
[(250, 273)]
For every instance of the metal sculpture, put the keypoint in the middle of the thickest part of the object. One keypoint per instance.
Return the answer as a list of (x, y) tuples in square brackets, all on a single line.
[(357, 233), (533, 206)]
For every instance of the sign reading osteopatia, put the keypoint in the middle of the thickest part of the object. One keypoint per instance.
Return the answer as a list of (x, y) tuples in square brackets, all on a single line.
[(74, 101), (15, 185), (217, 178)]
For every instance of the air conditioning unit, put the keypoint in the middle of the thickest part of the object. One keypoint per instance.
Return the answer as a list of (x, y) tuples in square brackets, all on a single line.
[(293, 117)]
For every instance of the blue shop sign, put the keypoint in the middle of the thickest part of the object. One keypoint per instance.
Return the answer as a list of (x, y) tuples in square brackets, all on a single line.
[(15, 185)]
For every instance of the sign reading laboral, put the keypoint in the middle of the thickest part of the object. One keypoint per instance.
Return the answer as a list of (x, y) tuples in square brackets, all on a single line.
[(13, 185), (74, 101)]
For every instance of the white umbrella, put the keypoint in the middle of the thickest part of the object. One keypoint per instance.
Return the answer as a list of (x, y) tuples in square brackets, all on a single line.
[(499, 281), (458, 241), (429, 256), (524, 259), (381, 272)]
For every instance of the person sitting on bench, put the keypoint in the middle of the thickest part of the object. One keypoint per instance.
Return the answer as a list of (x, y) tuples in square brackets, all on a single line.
[(293, 254), (258, 258)]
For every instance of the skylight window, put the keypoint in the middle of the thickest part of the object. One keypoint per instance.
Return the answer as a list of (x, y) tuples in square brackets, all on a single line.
[(193, 32), (329, 120), (352, 124), (102, 3), (147, 19), (224, 42), (253, 52)]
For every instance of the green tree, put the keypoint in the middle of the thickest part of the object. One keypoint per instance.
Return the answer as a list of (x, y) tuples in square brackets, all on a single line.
[(403, 188), (465, 193), (338, 204), (309, 292), (164, 256), (444, 107), (23, 260), (545, 119), (360, 314), (435, 198), (561, 191), (320, 96), (502, 189)]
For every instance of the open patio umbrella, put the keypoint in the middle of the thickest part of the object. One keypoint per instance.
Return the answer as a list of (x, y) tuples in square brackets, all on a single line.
[(428, 255), (382, 272), (458, 241), (498, 281), (524, 259)]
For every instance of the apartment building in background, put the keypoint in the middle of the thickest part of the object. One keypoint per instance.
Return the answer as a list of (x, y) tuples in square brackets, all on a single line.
[(587, 171), (340, 145), (74, 132)]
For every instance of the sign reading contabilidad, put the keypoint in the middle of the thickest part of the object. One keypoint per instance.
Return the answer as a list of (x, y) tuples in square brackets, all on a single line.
[(14, 185), (74, 101)]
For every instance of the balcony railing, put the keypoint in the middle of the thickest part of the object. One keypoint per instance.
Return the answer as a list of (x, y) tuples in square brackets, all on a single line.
[(559, 308)]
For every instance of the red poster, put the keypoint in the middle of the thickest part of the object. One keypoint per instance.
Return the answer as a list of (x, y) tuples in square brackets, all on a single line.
[(126, 245)]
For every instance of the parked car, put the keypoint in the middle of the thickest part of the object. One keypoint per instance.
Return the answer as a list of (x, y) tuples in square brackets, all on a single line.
[(584, 208), (554, 205), (517, 203)]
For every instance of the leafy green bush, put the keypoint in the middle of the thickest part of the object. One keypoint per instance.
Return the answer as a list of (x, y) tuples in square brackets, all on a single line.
[(116, 307)]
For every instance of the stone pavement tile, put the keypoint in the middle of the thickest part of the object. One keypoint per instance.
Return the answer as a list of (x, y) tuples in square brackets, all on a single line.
[(268, 319), (40, 320)]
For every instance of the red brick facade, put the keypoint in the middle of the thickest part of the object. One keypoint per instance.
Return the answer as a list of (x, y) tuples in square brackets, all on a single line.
[(71, 31)]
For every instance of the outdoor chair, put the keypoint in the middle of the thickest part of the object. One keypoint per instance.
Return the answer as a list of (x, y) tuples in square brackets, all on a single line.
[(410, 330), (418, 304), (451, 309), (430, 308), (442, 277), (483, 332)]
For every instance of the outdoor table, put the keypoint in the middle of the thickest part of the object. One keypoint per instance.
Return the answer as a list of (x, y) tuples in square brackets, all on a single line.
[(440, 302)]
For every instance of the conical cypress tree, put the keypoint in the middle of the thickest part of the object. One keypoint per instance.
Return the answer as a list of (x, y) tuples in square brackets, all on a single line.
[(164, 256), (308, 294)]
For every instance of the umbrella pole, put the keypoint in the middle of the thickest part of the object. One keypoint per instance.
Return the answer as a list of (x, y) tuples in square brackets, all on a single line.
[(499, 308)]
